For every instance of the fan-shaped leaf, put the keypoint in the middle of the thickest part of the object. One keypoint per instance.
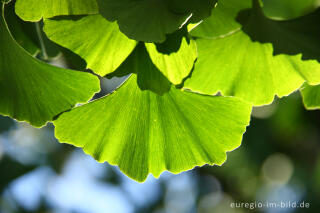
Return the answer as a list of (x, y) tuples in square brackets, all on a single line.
[(175, 57), (143, 132), (223, 19), (33, 91), (144, 20), (101, 44), (35, 10), (263, 59)]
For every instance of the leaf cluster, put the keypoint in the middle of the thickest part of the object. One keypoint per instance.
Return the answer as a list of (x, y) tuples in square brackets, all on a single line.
[(195, 69)]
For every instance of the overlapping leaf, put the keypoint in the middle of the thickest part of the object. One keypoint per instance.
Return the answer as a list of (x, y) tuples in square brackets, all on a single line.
[(148, 125), (101, 44), (288, 9), (35, 10), (107, 47), (143, 132), (311, 96), (151, 20), (223, 19), (33, 91), (175, 57), (200, 9), (29, 35), (263, 59), (21, 31), (145, 20)]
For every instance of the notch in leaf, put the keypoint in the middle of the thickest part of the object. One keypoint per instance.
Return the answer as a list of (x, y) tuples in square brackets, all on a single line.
[(259, 60), (143, 132)]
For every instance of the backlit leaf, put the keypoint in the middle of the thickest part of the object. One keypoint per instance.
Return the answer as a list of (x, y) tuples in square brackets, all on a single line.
[(175, 57), (101, 44), (223, 19), (35, 10), (311, 96), (143, 132), (263, 59), (33, 91)]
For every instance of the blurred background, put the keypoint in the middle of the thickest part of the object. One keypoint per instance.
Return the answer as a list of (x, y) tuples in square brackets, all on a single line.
[(278, 160)]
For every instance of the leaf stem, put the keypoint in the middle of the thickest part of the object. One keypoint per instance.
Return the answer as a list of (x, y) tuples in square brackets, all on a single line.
[(42, 46)]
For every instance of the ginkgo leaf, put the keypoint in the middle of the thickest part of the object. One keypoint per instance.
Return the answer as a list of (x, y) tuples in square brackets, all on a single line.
[(223, 19), (311, 96), (263, 59), (175, 57), (18, 29), (101, 44), (35, 10), (144, 20), (33, 91), (143, 132), (288, 9), (199, 9), (151, 80)]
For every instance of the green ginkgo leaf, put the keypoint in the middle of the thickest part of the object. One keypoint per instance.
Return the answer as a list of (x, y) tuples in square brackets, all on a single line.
[(24, 33), (101, 44), (288, 9), (311, 96), (223, 19), (175, 57), (144, 20), (263, 59), (35, 10), (143, 132), (152, 79), (199, 9), (33, 91)]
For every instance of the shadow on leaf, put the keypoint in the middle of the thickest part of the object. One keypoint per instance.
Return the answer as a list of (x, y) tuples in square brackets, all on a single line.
[(291, 37)]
